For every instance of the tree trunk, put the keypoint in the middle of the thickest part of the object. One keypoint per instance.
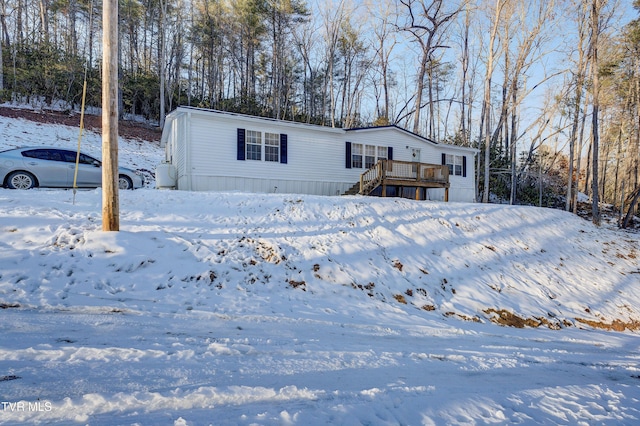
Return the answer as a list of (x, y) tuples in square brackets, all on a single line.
[(44, 20), (512, 147), (595, 30), (419, 91), (162, 59), (487, 102), (579, 159), (571, 182), (465, 72), (632, 206)]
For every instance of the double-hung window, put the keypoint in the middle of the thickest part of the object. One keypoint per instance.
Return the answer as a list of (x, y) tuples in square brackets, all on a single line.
[(454, 162), (262, 146), (365, 156), (356, 156), (254, 145), (382, 152), (272, 147), (369, 156)]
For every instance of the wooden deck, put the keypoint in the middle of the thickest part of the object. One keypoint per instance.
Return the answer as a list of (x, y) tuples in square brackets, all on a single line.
[(405, 174)]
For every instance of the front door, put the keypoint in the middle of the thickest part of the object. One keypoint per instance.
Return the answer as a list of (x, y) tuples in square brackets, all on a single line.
[(415, 155)]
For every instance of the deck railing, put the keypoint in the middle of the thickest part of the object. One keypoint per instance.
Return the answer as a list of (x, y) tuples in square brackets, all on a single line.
[(406, 173)]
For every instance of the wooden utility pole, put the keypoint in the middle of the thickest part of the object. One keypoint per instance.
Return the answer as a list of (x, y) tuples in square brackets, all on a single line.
[(110, 204)]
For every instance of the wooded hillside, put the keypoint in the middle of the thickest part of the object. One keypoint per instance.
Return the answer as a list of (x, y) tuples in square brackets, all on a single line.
[(547, 90)]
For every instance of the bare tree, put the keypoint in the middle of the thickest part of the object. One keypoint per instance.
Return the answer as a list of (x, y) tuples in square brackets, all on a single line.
[(486, 103), (162, 69), (385, 42), (579, 75), (596, 8), (356, 62), (307, 40), (281, 17), (537, 15), (466, 83), (332, 15), (427, 21)]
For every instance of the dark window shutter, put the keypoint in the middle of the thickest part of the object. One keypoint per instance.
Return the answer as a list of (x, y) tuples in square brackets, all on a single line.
[(283, 148), (241, 147), (348, 155), (390, 153), (464, 166), (444, 159)]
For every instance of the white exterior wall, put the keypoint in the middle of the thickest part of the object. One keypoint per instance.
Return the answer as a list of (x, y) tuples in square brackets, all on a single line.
[(311, 160), (202, 145), (173, 135)]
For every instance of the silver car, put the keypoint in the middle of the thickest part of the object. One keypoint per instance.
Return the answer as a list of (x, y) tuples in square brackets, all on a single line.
[(25, 168)]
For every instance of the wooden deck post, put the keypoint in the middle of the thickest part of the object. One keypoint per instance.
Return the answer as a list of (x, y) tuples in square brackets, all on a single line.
[(446, 195), (417, 193)]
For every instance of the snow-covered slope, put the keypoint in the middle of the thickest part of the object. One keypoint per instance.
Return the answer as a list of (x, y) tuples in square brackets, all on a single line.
[(230, 308), (194, 250)]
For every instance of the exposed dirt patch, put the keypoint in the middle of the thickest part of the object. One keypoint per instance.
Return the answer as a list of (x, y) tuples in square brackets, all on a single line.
[(462, 317), (298, 284), (509, 319), (367, 287), (400, 298), (398, 265), (126, 129), (615, 325)]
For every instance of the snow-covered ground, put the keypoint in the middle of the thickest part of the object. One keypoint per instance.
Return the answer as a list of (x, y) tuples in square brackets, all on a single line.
[(228, 308)]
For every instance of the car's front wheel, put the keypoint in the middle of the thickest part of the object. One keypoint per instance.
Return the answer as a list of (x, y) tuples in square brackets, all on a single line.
[(124, 182), (21, 180)]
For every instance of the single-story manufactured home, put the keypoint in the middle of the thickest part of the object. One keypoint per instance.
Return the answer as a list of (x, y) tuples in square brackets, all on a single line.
[(208, 150)]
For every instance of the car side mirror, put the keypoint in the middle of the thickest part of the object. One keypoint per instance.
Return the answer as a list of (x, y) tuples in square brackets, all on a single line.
[(96, 163)]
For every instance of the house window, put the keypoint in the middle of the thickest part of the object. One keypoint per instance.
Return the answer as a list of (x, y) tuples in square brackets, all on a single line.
[(272, 147), (254, 145), (250, 146), (454, 162), (382, 152), (365, 156), (356, 156), (369, 156)]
